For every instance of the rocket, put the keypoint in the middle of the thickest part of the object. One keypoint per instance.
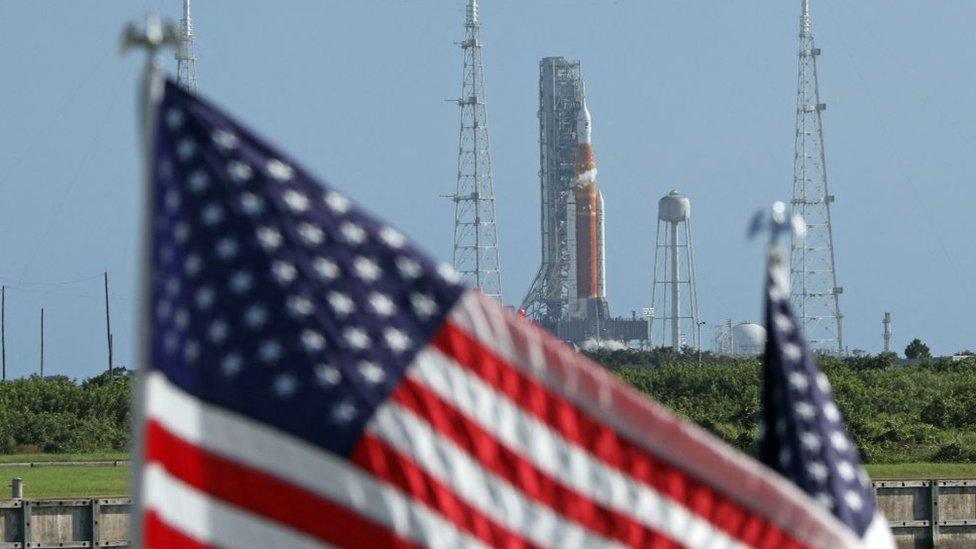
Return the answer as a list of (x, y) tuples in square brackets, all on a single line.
[(589, 218)]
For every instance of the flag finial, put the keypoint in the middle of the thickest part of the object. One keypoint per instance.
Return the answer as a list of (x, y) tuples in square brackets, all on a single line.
[(153, 35), (777, 223)]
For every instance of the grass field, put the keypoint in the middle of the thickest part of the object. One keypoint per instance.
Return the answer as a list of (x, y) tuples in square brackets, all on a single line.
[(69, 482), (82, 482), (66, 482), (922, 471), (29, 458)]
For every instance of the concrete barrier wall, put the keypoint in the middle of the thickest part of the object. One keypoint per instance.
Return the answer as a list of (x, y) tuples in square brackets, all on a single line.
[(922, 514), (100, 522)]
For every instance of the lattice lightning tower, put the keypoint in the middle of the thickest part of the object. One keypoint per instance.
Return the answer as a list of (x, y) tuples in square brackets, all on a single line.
[(815, 293), (475, 233), (186, 72)]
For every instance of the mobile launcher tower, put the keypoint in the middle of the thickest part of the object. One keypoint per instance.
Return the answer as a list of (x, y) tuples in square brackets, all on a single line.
[(568, 295)]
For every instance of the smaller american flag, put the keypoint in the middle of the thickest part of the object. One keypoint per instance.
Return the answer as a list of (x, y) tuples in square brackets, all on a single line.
[(315, 380), (803, 434)]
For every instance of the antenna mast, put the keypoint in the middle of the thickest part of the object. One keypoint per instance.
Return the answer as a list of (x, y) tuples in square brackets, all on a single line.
[(815, 293), (186, 74), (475, 233)]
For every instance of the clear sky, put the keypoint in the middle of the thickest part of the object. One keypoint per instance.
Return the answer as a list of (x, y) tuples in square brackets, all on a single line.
[(697, 96)]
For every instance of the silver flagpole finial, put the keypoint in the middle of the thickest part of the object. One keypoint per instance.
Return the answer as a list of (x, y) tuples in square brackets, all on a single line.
[(777, 223), (151, 36)]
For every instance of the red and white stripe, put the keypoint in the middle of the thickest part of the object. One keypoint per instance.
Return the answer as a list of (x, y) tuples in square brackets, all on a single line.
[(499, 435), (272, 482)]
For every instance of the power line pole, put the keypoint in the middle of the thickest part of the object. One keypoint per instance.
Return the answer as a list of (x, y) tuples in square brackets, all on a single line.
[(3, 329), (108, 328), (815, 293), (886, 323), (42, 342), (475, 232), (186, 70)]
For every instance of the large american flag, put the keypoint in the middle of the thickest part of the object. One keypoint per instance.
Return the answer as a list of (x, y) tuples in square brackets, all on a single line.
[(804, 436), (317, 380)]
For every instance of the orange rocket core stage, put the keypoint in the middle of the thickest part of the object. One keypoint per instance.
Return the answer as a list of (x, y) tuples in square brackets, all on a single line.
[(589, 227), (585, 164)]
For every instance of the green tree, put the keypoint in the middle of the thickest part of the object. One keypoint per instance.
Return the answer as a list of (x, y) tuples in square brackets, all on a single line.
[(917, 349)]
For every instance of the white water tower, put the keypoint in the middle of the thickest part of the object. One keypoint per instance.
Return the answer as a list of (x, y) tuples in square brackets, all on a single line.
[(674, 293)]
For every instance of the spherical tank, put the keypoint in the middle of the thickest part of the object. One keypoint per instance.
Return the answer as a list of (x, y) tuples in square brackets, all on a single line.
[(674, 207), (748, 338)]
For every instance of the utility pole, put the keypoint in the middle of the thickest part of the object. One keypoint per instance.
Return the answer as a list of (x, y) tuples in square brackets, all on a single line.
[(887, 332), (815, 292), (42, 342), (700, 324), (108, 328), (475, 232), (3, 329)]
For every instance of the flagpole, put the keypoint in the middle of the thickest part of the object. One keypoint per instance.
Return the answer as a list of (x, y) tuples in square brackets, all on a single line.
[(153, 36)]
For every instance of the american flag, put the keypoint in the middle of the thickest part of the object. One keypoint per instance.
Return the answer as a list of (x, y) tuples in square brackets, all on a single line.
[(804, 436), (316, 380)]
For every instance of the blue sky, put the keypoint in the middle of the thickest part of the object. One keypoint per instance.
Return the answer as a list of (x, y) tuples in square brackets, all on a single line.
[(697, 96)]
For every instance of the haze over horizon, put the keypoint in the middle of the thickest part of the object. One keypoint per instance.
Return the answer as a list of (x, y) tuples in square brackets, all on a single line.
[(696, 97)]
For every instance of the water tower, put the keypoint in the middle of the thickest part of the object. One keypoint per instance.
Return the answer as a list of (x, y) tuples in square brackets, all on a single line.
[(674, 293)]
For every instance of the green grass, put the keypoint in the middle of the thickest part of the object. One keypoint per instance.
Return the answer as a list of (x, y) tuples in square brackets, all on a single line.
[(922, 471), (84, 482), (69, 482), (97, 456)]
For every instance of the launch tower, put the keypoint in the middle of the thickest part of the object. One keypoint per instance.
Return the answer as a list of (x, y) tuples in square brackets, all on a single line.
[(475, 233), (186, 70), (560, 102), (675, 293), (815, 293)]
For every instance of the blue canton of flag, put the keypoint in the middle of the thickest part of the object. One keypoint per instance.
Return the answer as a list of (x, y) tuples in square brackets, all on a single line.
[(803, 434), (246, 247)]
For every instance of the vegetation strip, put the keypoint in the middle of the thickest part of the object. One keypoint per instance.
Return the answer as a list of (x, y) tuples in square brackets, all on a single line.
[(115, 463)]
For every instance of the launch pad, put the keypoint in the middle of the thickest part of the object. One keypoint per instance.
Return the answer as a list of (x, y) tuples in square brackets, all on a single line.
[(568, 294)]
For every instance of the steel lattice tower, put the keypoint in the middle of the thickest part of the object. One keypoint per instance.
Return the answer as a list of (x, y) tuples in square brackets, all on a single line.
[(561, 97), (186, 72), (815, 293), (475, 233)]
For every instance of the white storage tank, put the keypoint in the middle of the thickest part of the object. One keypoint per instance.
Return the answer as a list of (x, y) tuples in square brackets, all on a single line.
[(674, 207), (748, 339)]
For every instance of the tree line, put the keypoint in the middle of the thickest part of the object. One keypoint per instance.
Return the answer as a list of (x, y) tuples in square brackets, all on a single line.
[(896, 414), (57, 414)]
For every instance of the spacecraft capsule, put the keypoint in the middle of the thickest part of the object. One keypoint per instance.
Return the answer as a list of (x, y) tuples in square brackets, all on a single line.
[(584, 128)]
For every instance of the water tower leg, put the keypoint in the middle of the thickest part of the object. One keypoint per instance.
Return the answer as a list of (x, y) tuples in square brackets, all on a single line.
[(675, 303)]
